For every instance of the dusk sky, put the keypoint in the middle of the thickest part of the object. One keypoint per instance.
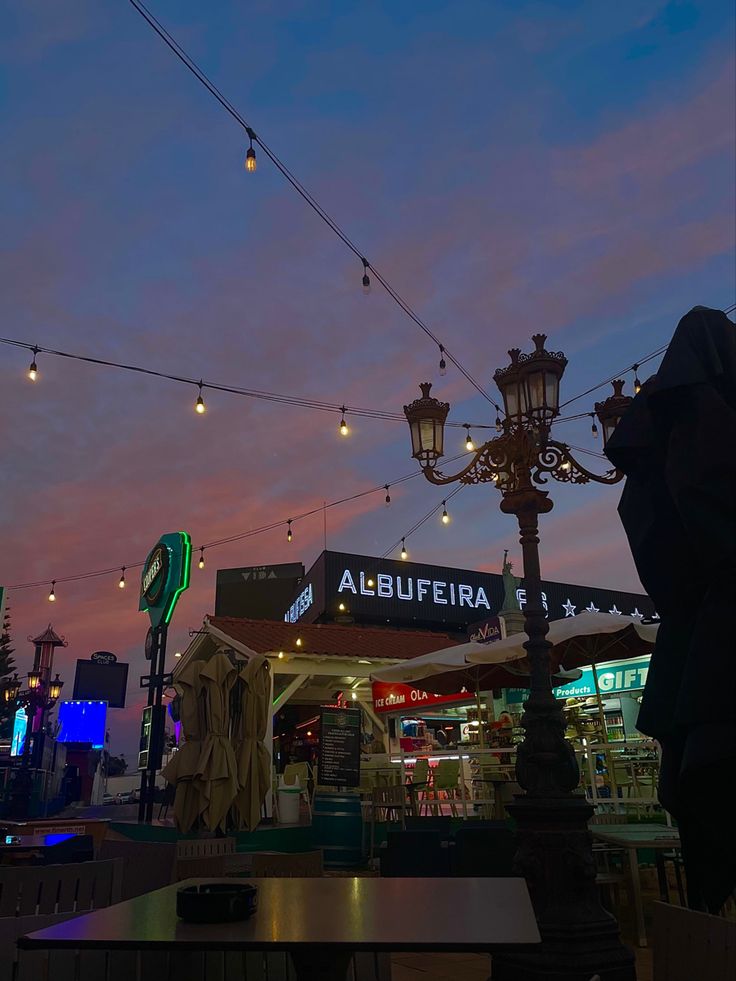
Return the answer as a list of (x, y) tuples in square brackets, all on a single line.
[(510, 167)]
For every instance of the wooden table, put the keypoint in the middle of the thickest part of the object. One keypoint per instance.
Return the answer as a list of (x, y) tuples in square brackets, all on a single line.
[(320, 922), (631, 837)]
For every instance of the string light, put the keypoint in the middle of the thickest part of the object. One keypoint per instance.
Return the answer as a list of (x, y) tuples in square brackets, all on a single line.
[(341, 607), (499, 424), (33, 369), (52, 594), (121, 582), (404, 553), (298, 642), (469, 444), (344, 428), (250, 157), (366, 277), (370, 583), (637, 383), (594, 427), (445, 515), (289, 535), (177, 653), (199, 405), (201, 558), (443, 363), (388, 495)]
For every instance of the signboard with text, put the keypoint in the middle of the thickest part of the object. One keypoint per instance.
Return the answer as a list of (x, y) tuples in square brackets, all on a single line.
[(396, 697), (369, 589), (165, 576), (339, 747), (613, 679)]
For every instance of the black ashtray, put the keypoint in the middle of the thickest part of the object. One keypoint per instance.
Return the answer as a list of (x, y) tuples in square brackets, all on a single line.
[(216, 902)]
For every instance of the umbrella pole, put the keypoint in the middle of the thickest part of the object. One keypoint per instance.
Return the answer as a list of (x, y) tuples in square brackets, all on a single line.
[(481, 735), (602, 717)]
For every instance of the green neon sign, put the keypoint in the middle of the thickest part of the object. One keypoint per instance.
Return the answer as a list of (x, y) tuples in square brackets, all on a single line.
[(165, 576)]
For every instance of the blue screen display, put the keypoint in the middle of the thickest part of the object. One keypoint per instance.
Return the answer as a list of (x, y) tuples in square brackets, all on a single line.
[(82, 722)]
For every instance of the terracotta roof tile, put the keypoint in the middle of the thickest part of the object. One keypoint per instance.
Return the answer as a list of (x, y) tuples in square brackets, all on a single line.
[(331, 639)]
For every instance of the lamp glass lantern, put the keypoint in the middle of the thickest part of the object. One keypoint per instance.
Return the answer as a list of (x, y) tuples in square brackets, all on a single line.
[(426, 417), (11, 689), (34, 679), (541, 372), (55, 688), (510, 383), (612, 409)]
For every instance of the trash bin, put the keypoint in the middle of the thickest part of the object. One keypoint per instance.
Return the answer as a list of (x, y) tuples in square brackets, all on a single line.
[(289, 794)]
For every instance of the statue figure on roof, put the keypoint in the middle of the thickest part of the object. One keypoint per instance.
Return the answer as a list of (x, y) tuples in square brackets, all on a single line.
[(510, 584)]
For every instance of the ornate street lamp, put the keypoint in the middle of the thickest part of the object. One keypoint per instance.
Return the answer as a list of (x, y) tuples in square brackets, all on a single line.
[(10, 689), (55, 689), (579, 938), (34, 679), (610, 411)]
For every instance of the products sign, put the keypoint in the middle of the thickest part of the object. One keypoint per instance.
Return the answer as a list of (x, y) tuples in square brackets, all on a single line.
[(395, 697), (339, 747), (613, 678)]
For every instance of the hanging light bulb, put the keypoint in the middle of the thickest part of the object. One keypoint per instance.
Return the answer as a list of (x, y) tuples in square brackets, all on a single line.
[(499, 424), (52, 594), (201, 558), (199, 405), (594, 428), (250, 157), (366, 277), (445, 515), (443, 363), (388, 495), (344, 428), (33, 369), (404, 553), (121, 583), (637, 383), (469, 444), (289, 535)]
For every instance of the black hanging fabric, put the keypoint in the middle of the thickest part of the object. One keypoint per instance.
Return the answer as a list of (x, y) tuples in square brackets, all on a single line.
[(677, 446)]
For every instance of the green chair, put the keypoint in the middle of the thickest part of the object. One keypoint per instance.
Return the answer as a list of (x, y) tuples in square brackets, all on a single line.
[(445, 781)]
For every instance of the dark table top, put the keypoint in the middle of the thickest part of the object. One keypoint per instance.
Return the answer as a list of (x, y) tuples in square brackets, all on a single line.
[(294, 914)]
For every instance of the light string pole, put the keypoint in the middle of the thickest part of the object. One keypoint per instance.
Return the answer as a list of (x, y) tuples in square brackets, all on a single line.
[(579, 938)]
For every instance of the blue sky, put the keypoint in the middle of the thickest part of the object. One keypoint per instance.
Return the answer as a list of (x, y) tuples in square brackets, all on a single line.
[(510, 167)]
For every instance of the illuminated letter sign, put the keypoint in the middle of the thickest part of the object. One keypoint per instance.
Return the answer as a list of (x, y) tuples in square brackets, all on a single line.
[(165, 576)]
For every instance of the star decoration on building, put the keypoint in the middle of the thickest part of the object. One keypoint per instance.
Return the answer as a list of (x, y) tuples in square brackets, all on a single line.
[(569, 608), (636, 615), (592, 608), (614, 610)]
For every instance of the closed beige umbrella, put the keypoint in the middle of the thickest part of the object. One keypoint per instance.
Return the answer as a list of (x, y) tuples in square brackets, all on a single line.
[(217, 767), (182, 767), (254, 762)]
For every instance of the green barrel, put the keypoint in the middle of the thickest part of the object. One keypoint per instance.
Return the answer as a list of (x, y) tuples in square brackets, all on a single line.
[(337, 828)]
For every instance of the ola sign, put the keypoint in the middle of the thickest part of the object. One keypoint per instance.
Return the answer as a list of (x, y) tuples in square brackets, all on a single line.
[(165, 576)]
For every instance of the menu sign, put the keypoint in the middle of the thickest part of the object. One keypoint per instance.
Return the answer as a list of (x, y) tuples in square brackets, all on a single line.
[(339, 747)]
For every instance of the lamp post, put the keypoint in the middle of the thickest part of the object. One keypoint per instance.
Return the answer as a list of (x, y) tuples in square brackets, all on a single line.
[(40, 696), (579, 938)]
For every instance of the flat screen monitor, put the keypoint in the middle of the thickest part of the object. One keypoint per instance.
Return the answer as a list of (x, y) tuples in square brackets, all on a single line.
[(82, 722), (101, 682)]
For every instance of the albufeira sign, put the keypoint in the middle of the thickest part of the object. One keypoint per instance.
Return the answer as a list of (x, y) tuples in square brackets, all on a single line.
[(411, 589)]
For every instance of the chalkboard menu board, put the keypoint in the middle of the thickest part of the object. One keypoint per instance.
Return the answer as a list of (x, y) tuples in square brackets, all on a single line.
[(339, 747)]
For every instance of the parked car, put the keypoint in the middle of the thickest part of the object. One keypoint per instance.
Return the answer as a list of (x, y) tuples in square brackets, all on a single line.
[(125, 797), (108, 798), (137, 795)]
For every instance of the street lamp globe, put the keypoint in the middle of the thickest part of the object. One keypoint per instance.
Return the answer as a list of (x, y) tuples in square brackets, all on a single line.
[(511, 385), (55, 688), (10, 689), (426, 417), (612, 409), (34, 680), (542, 371)]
